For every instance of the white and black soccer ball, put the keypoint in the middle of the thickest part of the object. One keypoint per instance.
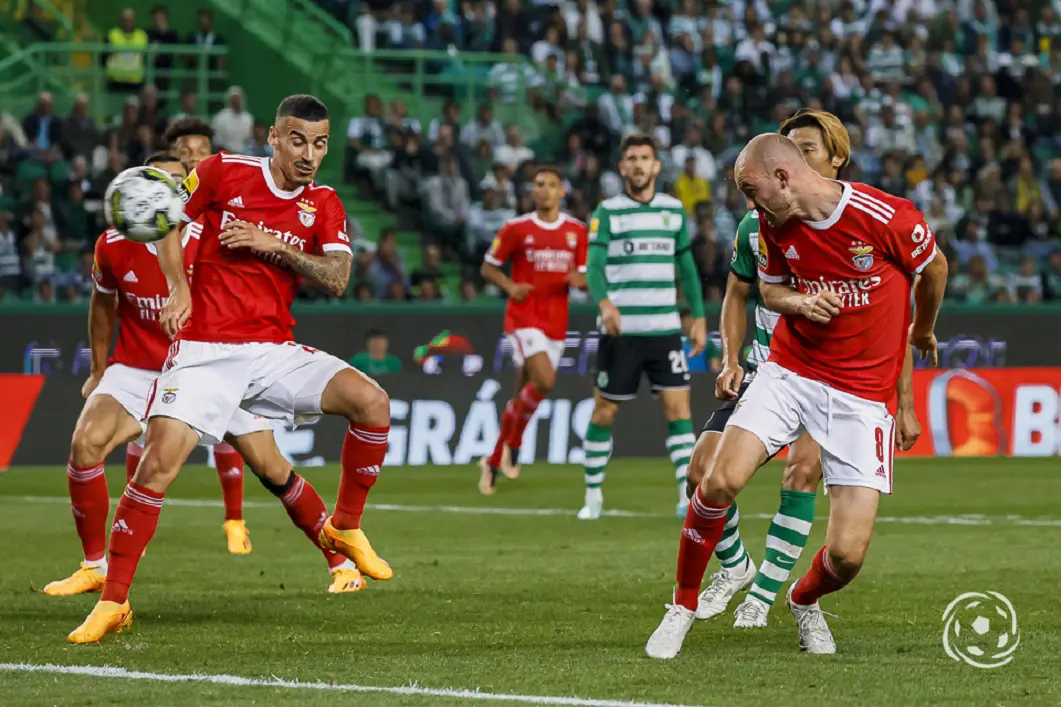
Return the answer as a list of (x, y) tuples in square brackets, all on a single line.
[(143, 204), (980, 628)]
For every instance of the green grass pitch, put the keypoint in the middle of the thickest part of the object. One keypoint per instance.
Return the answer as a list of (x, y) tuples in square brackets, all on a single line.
[(534, 605)]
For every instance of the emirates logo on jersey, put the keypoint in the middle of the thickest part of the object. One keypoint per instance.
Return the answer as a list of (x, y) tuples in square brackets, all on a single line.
[(853, 293), (546, 260), (285, 236), (148, 307)]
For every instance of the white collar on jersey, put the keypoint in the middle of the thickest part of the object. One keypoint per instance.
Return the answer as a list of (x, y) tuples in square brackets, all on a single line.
[(546, 224), (277, 191), (837, 212)]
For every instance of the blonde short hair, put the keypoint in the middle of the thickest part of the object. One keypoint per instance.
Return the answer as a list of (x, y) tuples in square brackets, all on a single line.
[(834, 134)]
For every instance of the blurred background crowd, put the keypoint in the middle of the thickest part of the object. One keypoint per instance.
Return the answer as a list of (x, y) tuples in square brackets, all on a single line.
[(954, 104)]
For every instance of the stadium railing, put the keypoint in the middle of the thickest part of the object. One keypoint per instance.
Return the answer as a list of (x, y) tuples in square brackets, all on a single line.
[(61, 67)]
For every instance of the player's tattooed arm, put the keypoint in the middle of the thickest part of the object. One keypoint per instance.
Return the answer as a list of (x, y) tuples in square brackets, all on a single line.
[(329, 272)]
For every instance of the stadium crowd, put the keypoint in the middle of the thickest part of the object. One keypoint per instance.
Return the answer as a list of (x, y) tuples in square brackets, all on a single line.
[(955, 104)]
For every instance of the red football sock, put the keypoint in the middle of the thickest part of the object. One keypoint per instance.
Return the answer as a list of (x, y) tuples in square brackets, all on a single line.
[(362, 456), (230, 473), (306, 510), (90, 504), (134, 525), (508, 419), (133, 452), (701, 532), (525, 404), (821, 579)]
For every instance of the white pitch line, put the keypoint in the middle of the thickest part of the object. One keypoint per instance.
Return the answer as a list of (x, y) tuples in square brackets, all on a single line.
[(967, 519), (275, 682)]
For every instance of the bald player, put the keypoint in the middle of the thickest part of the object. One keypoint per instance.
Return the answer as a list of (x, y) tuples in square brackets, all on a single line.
[(826, 147), (837, 261)]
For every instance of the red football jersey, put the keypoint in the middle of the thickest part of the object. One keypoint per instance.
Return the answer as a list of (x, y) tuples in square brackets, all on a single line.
[(543, 255), (238, 296), (130, 270), (867, 252)]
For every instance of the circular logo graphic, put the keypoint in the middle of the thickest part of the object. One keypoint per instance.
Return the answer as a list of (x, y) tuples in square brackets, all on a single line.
[(168, 397), (602, 379), (980, 629)]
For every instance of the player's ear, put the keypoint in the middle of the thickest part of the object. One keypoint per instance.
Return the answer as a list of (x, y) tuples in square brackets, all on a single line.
[(274, 137), (837, 162)]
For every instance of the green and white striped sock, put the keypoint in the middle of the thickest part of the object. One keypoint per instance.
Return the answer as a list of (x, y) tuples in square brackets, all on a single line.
[(680, 443), (598, 448), (784, 543), (730, 550)]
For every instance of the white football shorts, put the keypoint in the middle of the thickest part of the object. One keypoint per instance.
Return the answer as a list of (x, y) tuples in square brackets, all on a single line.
[(529, 342), (131, 387), (206, 384), (856, 435)]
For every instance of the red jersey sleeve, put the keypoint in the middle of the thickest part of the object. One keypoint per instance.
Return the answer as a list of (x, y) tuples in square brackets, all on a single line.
[(102, 272), (582, 248), (773, 267), (190, 239), (200, 187), (503, 247), (909, 240), (331, 226)]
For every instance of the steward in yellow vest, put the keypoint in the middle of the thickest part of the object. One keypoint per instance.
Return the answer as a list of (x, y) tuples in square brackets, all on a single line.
[(125, 69)]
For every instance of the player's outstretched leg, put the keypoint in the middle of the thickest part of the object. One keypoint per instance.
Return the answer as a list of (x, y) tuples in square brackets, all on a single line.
[(169, 442), (739, 454), (597, 449), (788, 532), (490, 466), (101, 427), (852, 512), (301, 501), (229, 465), (364, 403), (541, 377)]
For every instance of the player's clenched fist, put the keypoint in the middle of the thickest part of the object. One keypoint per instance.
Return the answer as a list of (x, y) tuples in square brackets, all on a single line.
[(520, 291), (727, 385), (926, 345), (821, 307), (610, 318), (176, 312)]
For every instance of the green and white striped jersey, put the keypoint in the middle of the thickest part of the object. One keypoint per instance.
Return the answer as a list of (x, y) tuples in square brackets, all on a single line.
[(643, 242), (745, 265)]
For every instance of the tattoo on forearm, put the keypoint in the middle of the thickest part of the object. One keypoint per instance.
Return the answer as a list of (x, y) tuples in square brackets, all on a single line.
[(330, 271)]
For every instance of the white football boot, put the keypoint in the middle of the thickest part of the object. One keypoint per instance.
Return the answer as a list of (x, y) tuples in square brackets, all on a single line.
[(666, 641), (724, 586), (814, 633), (751, 613), (593, 505)]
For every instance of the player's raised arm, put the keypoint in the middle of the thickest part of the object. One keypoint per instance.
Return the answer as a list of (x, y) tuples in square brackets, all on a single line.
[(596, 279), (178, 307), (689, 279), (779, 295), (500, 251), (928, 294), (102, 312)]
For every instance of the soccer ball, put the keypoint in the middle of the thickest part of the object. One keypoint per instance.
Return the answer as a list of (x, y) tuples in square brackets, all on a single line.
[(981, 629), (143, 204)]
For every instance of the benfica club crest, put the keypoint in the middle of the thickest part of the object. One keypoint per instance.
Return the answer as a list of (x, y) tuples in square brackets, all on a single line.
[(863, 256), (572, 240), (306, 214)]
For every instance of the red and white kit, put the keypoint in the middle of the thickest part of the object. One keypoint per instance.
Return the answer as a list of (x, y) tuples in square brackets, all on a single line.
[(543, 255), (237, 348), (833, 380), (130, 270)]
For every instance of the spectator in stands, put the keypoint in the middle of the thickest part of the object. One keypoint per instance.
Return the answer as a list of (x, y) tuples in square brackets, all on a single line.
[(451, 115), (77, 284), (399, 121), (364, 292), (513, 153), (446, 203), (1051, 277), (125, 61), (143, 145), (233, 125), (38, 256), (1026, 285), (512, 79), (616, 107), (188, 105), (205, 36), (387, 268), (41, 127), (481, 163), (548, 45), (10, 126), (691, 188), (975, 285), (469, 291), (405, 173), (367, 139), (151, 110), (123, 132), (485, 220), (258, 145), (159, 35), (692, 146), (72, 219), (10, 260), (376, 359), (483, 128), (79, 131), (500, 180), (429, 291), (430, 265)]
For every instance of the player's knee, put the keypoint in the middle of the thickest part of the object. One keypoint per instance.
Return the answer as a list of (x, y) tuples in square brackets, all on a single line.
[(801, 475), (545, 382), (701, 458), (846, 558), (374, 407), (604, 414), (88, 446), (154, 472)]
